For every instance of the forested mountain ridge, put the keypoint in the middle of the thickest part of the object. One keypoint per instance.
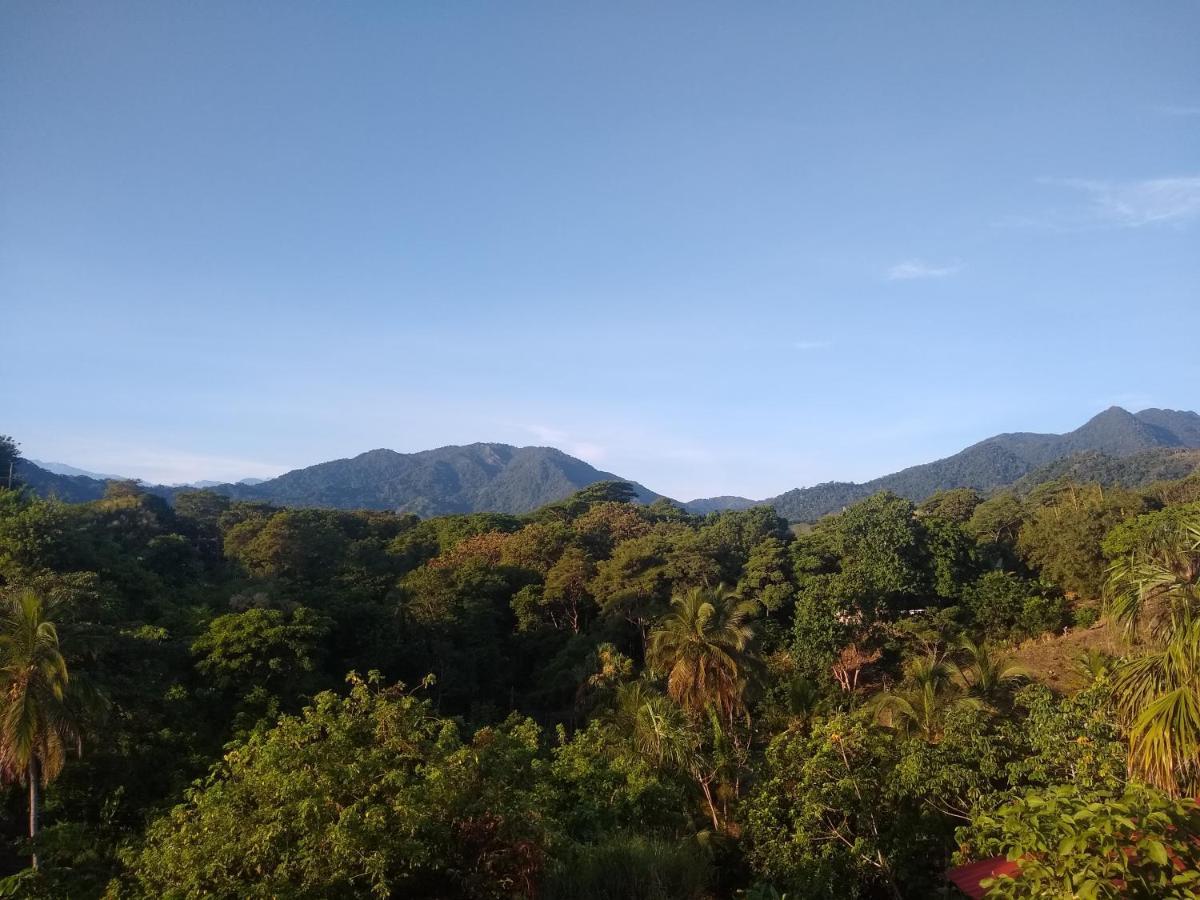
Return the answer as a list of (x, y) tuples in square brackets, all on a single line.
[(1005, 458), (1115, 447), (300, 702), (44, 483), (482, 477)]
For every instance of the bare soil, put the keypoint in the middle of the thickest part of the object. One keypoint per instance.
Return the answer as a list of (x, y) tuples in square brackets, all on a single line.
[(1052, 659)]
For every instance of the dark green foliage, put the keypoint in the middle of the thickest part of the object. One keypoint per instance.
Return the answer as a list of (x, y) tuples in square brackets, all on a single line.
[(1063, 531), (631, 867), (1137, 471), (1147, 530), (1073, 740), (957, 505), (9, 454), (201, 624), (1002, 460), (261, 649), (603, 785), (1007, 606), (370, 794), (1137, 843), (826, 818), (474, 478), (872, 560), (953, 557)]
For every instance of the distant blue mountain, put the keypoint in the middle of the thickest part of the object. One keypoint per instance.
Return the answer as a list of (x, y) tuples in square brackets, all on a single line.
[(63, 469), (1002, 460), (1116, 445)]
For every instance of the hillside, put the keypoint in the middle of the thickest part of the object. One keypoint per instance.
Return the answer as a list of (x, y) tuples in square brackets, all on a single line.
[(68, 488), (1114, 447), (1114, 434), (1135, 471), (472, 478), (706, 505)]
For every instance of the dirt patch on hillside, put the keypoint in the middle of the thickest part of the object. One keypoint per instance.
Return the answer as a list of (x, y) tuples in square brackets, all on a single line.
[(1053, 659)]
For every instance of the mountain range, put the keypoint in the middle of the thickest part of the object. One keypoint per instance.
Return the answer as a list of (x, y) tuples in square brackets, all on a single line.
[(1115, 447), (1008, 458), (472, 478)]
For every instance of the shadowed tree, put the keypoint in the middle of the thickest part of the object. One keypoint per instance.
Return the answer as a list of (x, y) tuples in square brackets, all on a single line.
[(9, 454), (35, 725)]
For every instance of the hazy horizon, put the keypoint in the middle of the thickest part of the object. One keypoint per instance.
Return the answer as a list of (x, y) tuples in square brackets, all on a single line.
[(56, 464)]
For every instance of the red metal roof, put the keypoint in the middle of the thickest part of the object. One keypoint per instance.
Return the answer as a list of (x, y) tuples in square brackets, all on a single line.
[(966, 878)]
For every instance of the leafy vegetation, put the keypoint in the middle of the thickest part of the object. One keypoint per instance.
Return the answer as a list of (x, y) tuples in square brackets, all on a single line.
[(1114, 449), (596, 698)]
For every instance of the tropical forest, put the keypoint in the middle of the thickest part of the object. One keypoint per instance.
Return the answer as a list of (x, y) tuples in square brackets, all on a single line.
[(972, 695)]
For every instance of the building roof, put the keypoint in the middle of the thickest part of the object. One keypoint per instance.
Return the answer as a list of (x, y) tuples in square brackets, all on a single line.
[(966, 878)]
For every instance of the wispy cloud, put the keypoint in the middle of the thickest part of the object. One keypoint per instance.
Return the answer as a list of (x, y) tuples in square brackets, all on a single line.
[(556, 437), (812, 345), (1118, 204), (167, 465), (1131, 400), (1133, 204), (911, 269), (1178, 109)]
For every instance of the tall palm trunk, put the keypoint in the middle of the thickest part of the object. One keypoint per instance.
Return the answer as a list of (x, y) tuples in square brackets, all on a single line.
[(34, 801), (712, 807)]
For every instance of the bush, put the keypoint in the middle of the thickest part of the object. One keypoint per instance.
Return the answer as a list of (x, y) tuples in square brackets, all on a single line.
[(1139, 844), (1042, 613), (629, 867)]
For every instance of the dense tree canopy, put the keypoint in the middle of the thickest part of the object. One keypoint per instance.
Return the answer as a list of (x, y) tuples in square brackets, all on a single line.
[(603, 696)]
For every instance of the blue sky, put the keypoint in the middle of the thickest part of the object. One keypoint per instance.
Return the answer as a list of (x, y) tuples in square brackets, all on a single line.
[(717, 248)]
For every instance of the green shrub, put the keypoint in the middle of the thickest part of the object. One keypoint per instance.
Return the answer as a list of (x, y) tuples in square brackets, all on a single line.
[(629, 867), (1072, 843), (1042, 613), (1006, 605)]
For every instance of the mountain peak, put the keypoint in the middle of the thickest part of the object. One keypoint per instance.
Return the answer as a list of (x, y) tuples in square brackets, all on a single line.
[(1003, 459), (479, 477)]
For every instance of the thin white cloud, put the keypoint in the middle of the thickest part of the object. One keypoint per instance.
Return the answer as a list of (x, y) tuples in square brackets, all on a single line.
[(1144, 202), (1131, 400), (162, 465), (556, 437), (812, 345), (911, 269), (546, 433), (1135, 204), (1178, 110)]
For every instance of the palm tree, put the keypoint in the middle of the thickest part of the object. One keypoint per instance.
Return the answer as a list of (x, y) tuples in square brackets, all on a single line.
[(704, 645), (662, 732), (658, 728), (921, 704), (1154, 593), (35, 727), (986, 674), (803, 699), (1094, 664)]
